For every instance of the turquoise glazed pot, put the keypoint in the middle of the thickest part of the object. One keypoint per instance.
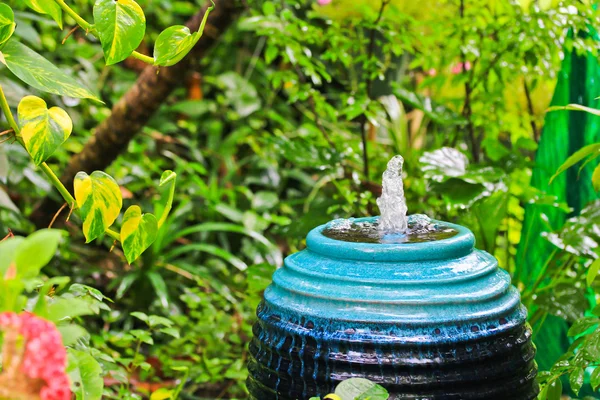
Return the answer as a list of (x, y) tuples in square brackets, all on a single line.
[(431, 320)]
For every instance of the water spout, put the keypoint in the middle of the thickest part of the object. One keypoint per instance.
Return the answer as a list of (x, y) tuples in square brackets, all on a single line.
[(392, 203)]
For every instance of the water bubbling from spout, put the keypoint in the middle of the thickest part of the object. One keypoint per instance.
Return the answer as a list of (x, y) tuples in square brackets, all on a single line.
[(392, 203)]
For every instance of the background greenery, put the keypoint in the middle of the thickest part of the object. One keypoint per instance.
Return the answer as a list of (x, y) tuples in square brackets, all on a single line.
[(287, 123)]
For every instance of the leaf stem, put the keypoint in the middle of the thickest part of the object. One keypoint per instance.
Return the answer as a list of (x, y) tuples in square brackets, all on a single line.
[(143, 57), (59, 185), (80, 21)]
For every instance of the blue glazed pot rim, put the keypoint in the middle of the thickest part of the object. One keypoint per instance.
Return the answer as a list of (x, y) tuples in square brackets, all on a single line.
[(456, 246)]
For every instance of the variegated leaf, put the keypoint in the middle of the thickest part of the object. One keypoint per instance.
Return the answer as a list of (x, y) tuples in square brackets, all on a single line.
[(175, 42), (36, 71), (99, 200), (43, 130), (47, 7), (7, 23), (137, 233), (121, 26)]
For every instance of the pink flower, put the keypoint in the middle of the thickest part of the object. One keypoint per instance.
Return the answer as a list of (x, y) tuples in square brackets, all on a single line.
[(323, 2), (34, 358), (458, 68)]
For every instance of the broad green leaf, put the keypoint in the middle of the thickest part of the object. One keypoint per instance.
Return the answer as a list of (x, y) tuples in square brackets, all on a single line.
[(49, 7), (7, 23), (36, 251), (99, 200), (175, 42), (167, 180), (582, 325), (357, 388), (121, 26), (43, 130), (36, 71), (85, 375), (137, 233), (592, 272), (592, 150), (576, 379)]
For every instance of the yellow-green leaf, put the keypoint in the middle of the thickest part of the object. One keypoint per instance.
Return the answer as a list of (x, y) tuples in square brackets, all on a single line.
[(36, 71), (596, 178), (47, 7), (137, 233), (175, 42), (99, 200), (43, 130), (167, 181), (121, 26), (592, 272), (7, 23)]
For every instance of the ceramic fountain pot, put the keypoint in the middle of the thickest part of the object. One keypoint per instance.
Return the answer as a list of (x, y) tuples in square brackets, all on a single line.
[(431, 320)]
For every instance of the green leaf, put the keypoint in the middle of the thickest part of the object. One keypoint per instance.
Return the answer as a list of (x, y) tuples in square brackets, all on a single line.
[(576, 379), (175, 42), (8, 250), (210, 249), (142, 336), (85, 375), (36, 71), (71, 333), (36, 251), (592, 272), (595, 378), (137, 233), (167, 180), (121, 26), (43, 130), (554, 390), (68, 308), (160, 287), (582, 325), (596, 178), (7, 23), (46, 7), (592, 150), (171, 332), (141, 316), (99, 200), (357, 388)]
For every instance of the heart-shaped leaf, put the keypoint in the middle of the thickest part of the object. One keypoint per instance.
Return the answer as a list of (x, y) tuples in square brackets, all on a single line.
[(121, 26), (137, 233), (40, 73), (99, 200), (47, 7), (7, 23), (175, 42), (43, 130)]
